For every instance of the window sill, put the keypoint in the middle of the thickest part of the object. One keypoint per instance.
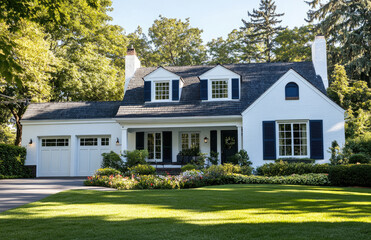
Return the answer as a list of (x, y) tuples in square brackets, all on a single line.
[(292, 98)]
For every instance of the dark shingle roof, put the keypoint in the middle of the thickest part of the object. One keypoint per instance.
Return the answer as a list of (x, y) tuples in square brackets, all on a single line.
[(256, 79), (71, 110)]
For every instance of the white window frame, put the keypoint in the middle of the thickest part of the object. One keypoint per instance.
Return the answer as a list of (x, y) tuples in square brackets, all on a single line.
[(292, 139), (210, 91), (189, 139), (154, 152), (153, 91)]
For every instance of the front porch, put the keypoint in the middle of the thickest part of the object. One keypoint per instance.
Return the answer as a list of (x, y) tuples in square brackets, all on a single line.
[(164, 141)]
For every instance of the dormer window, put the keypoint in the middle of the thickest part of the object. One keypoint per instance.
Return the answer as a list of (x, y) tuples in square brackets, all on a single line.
[(220, 84), (219, 89), (162, 85), (162, 90)]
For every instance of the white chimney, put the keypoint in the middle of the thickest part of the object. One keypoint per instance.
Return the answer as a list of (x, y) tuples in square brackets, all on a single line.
[(132, 63), (319, 58)]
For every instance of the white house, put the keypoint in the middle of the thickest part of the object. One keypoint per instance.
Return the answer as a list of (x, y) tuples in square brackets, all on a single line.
[(272, 110)]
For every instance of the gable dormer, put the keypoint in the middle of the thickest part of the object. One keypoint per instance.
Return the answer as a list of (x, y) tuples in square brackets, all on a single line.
[(220, 84), (162, 85)]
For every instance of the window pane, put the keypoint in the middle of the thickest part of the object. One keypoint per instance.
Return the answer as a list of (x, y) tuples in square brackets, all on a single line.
[(158, 146), (105, 142), (150, 145), (195, 140), (185, 141), (162, 90), (219, 89)]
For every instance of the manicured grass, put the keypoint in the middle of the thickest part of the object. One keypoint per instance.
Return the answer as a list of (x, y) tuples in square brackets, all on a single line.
[(216, 212)]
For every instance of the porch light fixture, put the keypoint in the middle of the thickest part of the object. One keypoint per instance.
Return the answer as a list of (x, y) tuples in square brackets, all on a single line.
[(30, 142), (117, 141), (206, 140)]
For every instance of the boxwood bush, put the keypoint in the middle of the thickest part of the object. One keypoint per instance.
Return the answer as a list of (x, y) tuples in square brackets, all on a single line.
[(188, 167), (358, 158), (12, 160), (107, 172), (142, 169), (284, 168), (351, 175)]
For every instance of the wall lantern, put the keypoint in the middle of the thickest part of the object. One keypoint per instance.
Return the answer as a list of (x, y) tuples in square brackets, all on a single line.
[(117, 141), (206, 140), (30, 142)]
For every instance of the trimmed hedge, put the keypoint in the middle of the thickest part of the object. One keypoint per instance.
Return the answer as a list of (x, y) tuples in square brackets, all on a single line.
[(358, 158), (351, 175), (284, 168), (12, 160), (296, 160)]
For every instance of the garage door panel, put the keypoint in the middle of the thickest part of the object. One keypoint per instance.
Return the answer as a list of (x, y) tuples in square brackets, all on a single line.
[(54, 160)]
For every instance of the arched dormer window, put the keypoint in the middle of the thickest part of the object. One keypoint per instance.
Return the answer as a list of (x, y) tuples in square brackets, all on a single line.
[(292, 91)]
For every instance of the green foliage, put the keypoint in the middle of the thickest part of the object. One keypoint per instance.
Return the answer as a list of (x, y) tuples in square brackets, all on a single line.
[(176, 43), (296, 160), (112, 160), (136, 157), (188, 167), (284, 168), (241, 158), (293, 45), (12, 160), (142, 169), (143, 48), (361, 144), (7, 134), (358, 158), (346, 25), (190, 152), (263, 28), (107, 172), (338, 155), (351, 175), (213, 158)]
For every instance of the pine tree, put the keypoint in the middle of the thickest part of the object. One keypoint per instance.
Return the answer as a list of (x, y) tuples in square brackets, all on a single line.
[(347, 27), (263, 24)]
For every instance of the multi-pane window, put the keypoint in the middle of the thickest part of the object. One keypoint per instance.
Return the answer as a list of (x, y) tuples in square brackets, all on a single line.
[(219, 89), (190, 140), (154, 146), (60, 142), (162, 90), (292, 138), (88, 141), (105, 141)]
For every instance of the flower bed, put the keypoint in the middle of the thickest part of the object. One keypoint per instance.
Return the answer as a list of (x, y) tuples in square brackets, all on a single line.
[(194, 179)]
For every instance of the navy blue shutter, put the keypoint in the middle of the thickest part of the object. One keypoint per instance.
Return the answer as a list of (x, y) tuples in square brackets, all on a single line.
[(316, 139), (213, 141), (269, 140), (167, 147), (147, 91), (203, 89), (175, 90), (139, 140), (235, 88)]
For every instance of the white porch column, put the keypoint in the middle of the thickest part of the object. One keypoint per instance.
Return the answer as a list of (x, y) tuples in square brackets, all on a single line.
[(239, 137), (124, 139)]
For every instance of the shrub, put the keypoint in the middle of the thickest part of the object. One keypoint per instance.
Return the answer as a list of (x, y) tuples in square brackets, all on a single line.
[(338, 155), (191, 152), (136, 157), (230, 168), (188, 167), (143, 169), (296, 160), (213, 158), (107, 172), (351, 175), (241, 158), (358, 158), (12, 159), (360, 144), (112, 160), (246, 170), (284, 168)]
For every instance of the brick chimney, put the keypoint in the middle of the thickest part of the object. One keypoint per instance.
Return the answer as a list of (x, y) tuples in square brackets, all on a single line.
[(319, 58), (132, 63)]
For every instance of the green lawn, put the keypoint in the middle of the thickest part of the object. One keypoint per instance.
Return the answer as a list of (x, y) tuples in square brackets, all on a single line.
[(217, 212)]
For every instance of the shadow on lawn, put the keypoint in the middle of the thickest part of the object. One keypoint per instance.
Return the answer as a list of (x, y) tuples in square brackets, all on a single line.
[(93, 227), (348, 203)]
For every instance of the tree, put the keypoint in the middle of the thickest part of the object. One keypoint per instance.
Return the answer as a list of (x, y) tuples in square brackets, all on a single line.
[(293, 45), (33, 54), (355, 98), (263, 24), (347, 27), (176, 42)]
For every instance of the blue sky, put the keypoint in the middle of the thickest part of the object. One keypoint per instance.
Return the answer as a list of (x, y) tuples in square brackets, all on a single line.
[(216, 17)]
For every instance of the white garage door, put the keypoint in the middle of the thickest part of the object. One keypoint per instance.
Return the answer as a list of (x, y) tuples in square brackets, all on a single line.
[(55, 157), (90, 154)]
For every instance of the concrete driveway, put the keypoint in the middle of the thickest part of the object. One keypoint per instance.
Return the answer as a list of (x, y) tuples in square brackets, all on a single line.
[(16, 192)]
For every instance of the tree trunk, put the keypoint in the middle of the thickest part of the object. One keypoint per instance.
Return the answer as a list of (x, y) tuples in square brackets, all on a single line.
[(18, 138)]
